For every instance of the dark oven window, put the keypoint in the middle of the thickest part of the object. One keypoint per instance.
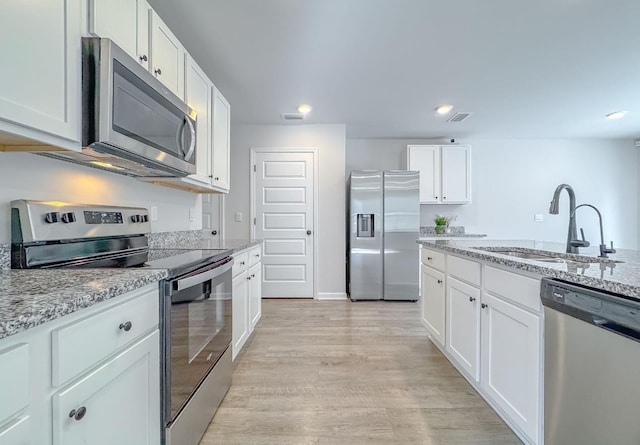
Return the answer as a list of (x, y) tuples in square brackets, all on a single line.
[(200, 333)]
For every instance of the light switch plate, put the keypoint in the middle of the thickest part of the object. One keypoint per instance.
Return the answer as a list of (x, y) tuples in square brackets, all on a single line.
[(538, 217), (239, 216)]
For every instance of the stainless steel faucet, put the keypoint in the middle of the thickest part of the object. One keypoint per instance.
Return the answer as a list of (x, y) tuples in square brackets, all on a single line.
[(572, 236), (604, 250)]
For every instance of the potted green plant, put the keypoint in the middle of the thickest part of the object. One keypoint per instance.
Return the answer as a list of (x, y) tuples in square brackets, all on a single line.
[(442, 223)]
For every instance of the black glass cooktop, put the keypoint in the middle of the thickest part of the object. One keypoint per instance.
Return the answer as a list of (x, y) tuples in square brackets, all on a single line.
[(181, 261)]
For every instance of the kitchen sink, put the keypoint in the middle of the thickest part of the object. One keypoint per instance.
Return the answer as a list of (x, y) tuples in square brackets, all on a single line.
[(548, 257)]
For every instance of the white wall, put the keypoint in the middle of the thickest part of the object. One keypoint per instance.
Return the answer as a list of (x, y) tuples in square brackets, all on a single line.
[(513, 179), (330, 141), (29, 176)]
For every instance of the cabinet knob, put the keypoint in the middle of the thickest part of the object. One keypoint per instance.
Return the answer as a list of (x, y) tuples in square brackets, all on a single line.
[(143, 58), (126, 326), (158, 71), (484, 306), (257, 255), (214, 232), (444, 197), (242, 263), (472, 299), (429, 258), (439, 281), (79, 413), (436, 197), (249, 277), (216, 178), (253, 275)]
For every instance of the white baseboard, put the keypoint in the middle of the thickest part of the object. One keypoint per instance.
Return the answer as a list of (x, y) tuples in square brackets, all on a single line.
[(331, 296)]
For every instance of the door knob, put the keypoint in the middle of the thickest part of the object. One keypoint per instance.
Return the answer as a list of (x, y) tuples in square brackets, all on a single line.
[(215, 232), (308, 232)]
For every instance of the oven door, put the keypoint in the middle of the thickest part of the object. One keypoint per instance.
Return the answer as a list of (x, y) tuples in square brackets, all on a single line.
[(197, 331)]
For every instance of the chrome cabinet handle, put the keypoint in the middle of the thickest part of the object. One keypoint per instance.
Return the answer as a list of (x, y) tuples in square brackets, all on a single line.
[(484, 306), (472, 299), (216, 178), (143, 58), (257, 255), (439, 281), (126, 326), (242, 263), (253, 275), (429, 258), (215, 232), (158, 71), (78, 414)]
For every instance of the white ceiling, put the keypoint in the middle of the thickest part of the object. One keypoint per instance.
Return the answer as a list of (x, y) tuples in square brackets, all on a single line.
[(525, 68)]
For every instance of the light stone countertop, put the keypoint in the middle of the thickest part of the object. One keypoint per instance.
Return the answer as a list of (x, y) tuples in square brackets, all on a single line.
[(235, 245), (29, 298), (621, 278)]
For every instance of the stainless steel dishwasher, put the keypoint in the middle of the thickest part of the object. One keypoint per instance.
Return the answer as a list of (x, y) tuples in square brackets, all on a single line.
[(592, 366)]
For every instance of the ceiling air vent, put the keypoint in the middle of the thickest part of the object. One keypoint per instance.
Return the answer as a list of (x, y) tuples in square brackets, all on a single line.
[(459, 117), (292, 116)]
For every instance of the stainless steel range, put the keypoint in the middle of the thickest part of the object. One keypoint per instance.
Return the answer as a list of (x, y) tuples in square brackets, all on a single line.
[(195, 311)]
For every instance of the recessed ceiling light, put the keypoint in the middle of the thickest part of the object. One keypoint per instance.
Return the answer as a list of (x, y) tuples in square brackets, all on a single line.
[(304, 108), (616, 115), (444, 108)]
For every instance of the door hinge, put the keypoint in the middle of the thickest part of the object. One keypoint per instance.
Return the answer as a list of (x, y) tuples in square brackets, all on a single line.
[(254, 168)]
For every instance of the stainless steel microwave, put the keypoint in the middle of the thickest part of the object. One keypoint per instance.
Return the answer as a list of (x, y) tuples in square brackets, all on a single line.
[(131, 123)]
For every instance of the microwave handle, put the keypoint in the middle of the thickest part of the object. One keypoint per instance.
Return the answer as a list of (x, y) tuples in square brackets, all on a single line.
[(192, 143)]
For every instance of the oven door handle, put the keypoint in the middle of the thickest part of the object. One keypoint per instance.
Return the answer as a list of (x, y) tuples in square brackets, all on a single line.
[(188, 282)]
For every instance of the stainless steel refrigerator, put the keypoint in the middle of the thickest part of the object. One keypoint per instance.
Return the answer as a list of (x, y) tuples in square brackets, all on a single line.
[(384, 224)]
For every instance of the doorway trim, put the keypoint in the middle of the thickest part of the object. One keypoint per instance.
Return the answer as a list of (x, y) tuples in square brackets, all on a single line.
[(312, 150)]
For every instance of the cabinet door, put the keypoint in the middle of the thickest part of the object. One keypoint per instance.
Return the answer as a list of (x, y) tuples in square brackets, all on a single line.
[(198, 97), (116, 20), (143, 31), (16, 433), (511, 361), (433, 303), (118, 403), (240, 312), (167, 56), (456, 175), (463, 327), (255, 293), (221, 140), (40, 79), (426, 160)]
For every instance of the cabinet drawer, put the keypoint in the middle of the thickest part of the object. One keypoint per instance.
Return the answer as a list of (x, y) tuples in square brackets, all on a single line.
[(80, 345), (466, 270), (513, 287), (17, 433), (433, 258), (240, 263), (14, 380), (255, 255)]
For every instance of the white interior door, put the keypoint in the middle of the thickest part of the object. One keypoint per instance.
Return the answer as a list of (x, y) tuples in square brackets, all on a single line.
[(283, 196), (213, 214)]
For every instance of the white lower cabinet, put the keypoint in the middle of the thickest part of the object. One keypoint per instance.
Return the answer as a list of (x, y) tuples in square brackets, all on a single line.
[(433, 303), (493, 333), (240, 308), (255, 294), (116, 403), (247, 295), (463, 325), (114, 396)]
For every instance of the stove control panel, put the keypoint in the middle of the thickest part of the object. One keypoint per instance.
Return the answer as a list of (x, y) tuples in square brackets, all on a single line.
[(35, 221)]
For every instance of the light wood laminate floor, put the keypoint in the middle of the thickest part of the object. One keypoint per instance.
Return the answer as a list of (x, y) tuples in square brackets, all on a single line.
[(336, 372)]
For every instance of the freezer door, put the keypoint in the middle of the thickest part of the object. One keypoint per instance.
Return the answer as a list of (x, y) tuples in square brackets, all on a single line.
[(365, 235), (401, 231)]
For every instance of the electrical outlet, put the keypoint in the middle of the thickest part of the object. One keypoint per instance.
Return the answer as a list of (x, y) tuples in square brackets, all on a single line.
[(239, 216), (538, 217), (154, 213)]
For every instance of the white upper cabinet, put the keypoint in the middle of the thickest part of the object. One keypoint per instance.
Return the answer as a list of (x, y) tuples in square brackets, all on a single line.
[(221, 140), (126, 22), (167, 56), (40, 79), (445, 172), (198, 92)]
